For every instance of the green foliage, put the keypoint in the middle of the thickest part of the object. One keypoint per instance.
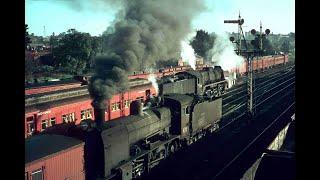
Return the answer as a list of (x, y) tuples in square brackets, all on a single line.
[(285, 46), (73, 51), (267, 46), (202, 42), (283, 43), (30, 67)]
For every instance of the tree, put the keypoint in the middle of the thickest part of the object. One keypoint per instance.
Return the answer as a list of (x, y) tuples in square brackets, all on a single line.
[(96, 46), (267, 47), (285, 46), (202, 43), (26, 36), (73, 51)]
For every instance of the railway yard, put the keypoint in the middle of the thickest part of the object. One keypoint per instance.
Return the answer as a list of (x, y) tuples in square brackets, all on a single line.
[(227, 153), (148, 90)]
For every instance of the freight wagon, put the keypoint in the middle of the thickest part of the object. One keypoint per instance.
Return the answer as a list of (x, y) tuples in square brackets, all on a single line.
[(262, 63)]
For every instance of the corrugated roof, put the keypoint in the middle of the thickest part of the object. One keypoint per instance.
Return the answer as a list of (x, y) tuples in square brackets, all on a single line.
[(37, 147)]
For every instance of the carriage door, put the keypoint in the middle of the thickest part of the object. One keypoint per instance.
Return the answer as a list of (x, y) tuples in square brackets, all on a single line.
[(30, 126)]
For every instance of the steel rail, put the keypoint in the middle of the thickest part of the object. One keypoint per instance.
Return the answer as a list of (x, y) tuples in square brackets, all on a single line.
[(235, 108), (253, 141), (242, 114)]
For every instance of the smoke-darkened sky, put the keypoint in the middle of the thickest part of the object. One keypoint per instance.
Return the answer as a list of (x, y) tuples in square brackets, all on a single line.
[(58, 16)]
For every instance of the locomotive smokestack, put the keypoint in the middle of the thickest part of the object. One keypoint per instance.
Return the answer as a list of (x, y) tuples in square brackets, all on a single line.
[(136, 108), (99, 113)]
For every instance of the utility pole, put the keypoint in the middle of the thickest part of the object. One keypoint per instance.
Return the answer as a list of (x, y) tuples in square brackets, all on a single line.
[(44, 31), (239, 33), (261, 36)]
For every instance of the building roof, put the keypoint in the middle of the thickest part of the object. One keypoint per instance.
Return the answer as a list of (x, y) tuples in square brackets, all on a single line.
[(41, 146)]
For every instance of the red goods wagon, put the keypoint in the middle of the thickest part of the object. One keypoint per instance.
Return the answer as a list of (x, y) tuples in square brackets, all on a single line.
[(52, 157), (261, 63)]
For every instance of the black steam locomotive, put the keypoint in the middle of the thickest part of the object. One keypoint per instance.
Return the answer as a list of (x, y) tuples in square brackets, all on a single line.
[(189, 107), (207, 82), (127, 147)]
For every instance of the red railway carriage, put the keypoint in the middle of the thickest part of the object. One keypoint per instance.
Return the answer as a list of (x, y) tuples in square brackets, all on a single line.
[(52, 157), (40, 116)]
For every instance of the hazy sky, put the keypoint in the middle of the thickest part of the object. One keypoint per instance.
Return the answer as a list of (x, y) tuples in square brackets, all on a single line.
[(58, 16)]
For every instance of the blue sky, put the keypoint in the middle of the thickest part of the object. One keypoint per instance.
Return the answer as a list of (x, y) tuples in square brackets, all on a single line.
[(57, 17)]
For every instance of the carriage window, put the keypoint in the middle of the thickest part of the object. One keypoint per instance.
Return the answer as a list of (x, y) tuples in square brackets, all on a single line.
[(117, 106), (37, 175), (52, 121), (67, 118), (30, 125), (113, 107), (44, 124), (86, 114), (126, 103)]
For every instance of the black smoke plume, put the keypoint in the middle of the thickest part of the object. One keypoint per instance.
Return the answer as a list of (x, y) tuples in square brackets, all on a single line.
[(145, 32)]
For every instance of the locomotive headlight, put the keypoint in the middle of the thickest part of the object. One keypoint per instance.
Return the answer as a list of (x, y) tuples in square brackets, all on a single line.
[(231, 38)]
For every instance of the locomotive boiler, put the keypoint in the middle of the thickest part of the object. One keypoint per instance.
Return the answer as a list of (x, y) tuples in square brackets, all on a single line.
[(207, 82)]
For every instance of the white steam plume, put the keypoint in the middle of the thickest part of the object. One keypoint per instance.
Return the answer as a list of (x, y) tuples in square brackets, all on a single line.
[(153, 79), (223, 53), (187, 54)]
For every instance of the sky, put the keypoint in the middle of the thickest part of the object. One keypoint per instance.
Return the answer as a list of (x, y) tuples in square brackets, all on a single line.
[(58, 16)]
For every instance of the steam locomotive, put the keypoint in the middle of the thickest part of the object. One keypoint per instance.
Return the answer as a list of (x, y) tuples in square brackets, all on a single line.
[(126, 148), (209, 82), (188, 108)]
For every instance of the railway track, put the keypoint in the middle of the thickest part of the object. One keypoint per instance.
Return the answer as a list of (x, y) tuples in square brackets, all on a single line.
[(209, 155), (238, 99), (258, 140), (259, 81)]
